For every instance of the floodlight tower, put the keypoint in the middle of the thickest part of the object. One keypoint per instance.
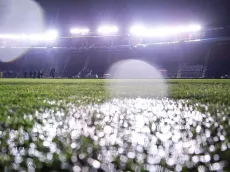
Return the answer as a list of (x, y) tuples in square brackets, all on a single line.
[(108, 31), (79, 31), (82, 33)]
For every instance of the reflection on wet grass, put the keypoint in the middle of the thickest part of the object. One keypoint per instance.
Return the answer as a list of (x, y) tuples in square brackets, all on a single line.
[(134, 134), (127, 134), (79, 131)]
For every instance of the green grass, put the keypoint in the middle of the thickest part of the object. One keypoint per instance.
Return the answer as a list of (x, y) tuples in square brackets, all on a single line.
[(24, 101)]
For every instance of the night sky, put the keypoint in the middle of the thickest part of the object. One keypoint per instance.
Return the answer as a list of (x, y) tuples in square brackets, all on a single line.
[(91, 13)]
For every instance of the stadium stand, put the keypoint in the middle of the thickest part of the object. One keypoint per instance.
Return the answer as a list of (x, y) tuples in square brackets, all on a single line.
[(192, 71), (84, 57), (82, 64)]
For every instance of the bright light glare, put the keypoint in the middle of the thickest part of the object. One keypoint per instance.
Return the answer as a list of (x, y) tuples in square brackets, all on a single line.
[(194, 28), (11, 36), (79, 31), (48, 36), (107, 29), (138, 30), (51, 35), (163, 31)]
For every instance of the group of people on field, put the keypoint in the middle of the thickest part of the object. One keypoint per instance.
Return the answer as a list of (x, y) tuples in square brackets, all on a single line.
[(39, 74)]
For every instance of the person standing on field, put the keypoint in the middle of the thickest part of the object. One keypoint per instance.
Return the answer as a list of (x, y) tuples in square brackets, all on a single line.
[(52, 73), (31, 74), (35, 73), (41, 73), (25, 74)]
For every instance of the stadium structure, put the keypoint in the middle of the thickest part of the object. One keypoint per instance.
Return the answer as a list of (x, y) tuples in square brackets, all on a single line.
[(180, 52)]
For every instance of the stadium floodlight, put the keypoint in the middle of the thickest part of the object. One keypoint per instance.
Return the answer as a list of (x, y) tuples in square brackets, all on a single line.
[(50, 35), (6, 36), (79, 31), (47, 36), (14, 36), (105, 30), (184, 29), (194, 28), (141, 31), (22, 36), (138, 30), (37, 37)]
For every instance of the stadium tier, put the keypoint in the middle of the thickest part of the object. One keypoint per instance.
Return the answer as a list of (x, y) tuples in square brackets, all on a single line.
[(192, 71), (90, 57)]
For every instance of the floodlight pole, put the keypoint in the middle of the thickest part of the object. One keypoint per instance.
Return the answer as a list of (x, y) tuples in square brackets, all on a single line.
[(66, 63), (181, 59), (53, 61), (206, 58)]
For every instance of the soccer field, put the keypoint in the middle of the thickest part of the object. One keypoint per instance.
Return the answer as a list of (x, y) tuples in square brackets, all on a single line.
[(73, 125)]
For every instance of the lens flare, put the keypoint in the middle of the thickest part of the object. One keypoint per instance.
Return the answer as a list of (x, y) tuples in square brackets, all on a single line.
[(6, 54), (24, 16), (135, 78)]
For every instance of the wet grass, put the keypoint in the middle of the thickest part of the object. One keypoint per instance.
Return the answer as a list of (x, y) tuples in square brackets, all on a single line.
[(28, 106)]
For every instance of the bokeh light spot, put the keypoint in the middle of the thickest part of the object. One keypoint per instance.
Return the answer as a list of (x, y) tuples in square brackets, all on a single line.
[(18, 17), (135, 78)]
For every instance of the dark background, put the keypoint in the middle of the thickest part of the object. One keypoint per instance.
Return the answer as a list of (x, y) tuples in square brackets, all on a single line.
[(91, 13), (64, 14)]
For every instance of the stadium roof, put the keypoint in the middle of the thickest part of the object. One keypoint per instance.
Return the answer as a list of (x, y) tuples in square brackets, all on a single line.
[(91, 12)]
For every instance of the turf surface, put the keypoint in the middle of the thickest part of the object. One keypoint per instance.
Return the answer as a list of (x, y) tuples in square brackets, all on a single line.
[(28, 106)]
